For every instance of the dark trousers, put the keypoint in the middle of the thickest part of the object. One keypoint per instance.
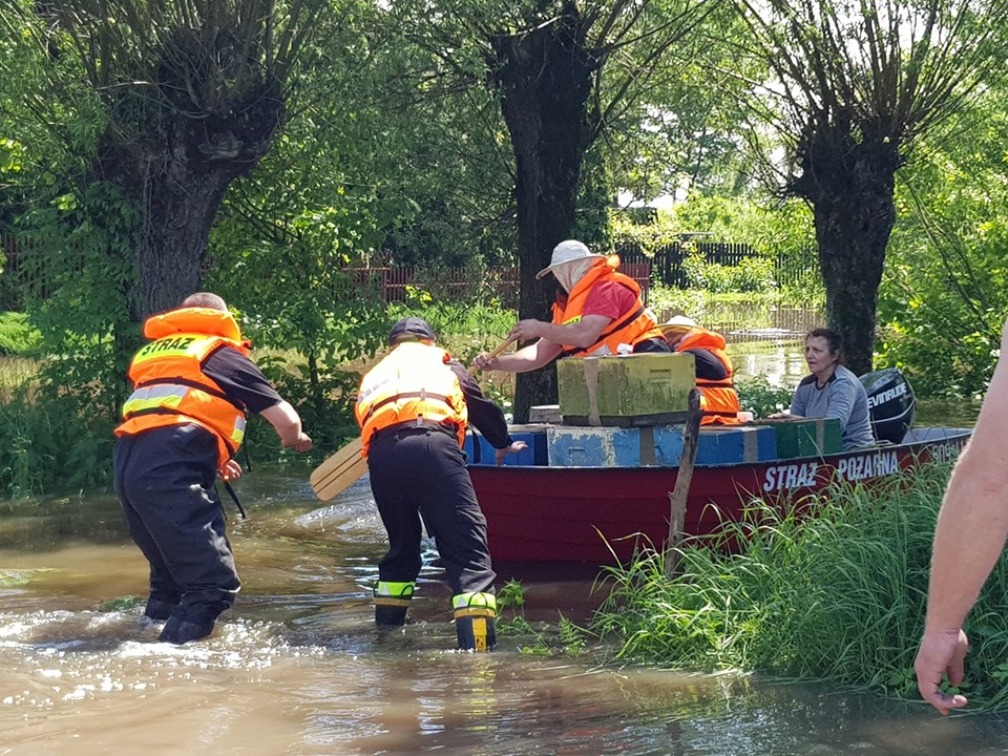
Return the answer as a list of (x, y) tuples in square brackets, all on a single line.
[(418, 471), (164, 479)]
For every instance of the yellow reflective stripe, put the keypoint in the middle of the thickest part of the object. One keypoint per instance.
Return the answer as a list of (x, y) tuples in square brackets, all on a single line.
[(150, 397), (474, 600), (396, 590), (393, 594), (238, 432), (170, 396)]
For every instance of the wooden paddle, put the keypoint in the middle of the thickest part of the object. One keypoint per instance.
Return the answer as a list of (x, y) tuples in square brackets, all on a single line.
[(339, 472), (346, 466), (677, 498)]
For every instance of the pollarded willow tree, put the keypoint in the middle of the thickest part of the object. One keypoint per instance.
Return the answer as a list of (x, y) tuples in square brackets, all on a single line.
[(561, 70), (856, 83), (191, 94)]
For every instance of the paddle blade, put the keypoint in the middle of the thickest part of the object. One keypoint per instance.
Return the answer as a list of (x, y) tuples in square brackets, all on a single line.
[(339, 472)]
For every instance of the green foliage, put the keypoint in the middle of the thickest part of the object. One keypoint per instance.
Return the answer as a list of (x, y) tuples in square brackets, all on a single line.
[(758, 396), (834, 591), (318, 330), (783, 231), (17, 335), (58, 430), (944, 297), (685, 130), (750, 275), (511, 599), (51, 441), (463, 328), (542, 639), (781, 226), (121, 603), (668, 300)]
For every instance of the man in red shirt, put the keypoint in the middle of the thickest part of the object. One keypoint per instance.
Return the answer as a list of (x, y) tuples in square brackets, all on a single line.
[(598, 311)]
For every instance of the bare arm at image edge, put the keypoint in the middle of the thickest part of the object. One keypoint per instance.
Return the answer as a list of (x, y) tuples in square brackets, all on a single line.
[(970, 535), (287, 424)]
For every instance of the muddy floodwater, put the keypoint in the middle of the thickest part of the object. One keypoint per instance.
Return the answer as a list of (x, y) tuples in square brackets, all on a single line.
[(298, 668)]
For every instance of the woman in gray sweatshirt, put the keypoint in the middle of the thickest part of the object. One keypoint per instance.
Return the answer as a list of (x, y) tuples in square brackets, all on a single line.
[(832, 390)]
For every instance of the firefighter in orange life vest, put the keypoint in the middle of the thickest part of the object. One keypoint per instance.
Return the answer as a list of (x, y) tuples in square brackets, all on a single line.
[(413, 408), (714, 372), (598, 312), (183, 423)]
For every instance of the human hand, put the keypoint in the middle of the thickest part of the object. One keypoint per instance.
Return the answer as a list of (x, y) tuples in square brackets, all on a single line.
[(514, 448), (785, 415), (526, 330), (941, 653), (302, 443), (231, 470), (484, 361)]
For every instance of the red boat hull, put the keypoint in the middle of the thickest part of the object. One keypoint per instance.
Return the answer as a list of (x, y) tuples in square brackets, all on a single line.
[(597, 514)]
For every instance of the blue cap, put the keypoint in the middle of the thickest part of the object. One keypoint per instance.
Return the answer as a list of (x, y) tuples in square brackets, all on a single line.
[(409, 329)]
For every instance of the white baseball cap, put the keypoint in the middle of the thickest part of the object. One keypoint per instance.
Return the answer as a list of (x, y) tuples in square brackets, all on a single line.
[(565, 252)]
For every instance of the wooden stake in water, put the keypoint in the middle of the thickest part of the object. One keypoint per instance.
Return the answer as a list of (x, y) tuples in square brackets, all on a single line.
[(678, 495)]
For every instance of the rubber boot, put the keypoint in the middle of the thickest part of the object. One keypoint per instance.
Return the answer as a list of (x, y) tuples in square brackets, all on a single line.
[(178, 630), (160, 606), (474, 621), (392, 601), (192, 622)]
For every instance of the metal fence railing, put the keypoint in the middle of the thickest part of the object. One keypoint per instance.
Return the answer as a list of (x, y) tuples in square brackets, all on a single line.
[(669, 269), (392, 283)]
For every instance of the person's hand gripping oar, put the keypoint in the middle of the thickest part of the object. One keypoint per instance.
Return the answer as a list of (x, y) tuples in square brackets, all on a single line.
[(483, 359)]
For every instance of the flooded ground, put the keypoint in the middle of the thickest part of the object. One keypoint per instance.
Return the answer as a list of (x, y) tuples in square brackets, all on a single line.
[(298, 668)]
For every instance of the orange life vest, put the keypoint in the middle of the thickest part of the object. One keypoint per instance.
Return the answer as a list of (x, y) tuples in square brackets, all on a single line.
[(169, 386), (718, 399), (412, 382), (637, 325)]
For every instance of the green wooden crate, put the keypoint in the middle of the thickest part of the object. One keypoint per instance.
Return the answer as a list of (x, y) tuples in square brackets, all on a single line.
[(808, 437), (630, 390)]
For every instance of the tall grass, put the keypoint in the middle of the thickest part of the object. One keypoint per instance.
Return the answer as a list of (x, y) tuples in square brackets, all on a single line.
[(835, 593), (52, 445)]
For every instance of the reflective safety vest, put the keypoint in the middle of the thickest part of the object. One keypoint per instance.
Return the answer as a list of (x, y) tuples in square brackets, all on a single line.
[(169, 386), (637, 325), (412, 383), (718, 399)]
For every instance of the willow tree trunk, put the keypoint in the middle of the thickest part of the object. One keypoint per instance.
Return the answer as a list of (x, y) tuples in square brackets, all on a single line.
[(544, 78), (179, 180), (852, 234), (849, 181)]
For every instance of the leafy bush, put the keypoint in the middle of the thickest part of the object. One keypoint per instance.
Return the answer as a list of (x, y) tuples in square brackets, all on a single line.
[(758, 396), (752, 274), (17, 335), (51, 441)]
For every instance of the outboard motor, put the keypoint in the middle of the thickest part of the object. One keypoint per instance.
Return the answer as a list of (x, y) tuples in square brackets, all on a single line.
[(891, 403)]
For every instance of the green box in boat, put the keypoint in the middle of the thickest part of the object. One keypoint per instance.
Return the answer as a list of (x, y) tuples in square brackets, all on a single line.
[(808, 437), (626, 390)]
